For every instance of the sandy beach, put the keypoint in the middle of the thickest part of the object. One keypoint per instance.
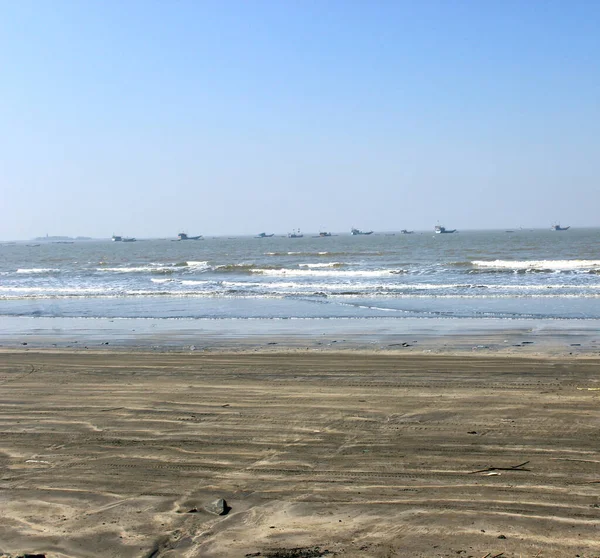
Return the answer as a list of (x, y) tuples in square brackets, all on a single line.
[(356, 454)]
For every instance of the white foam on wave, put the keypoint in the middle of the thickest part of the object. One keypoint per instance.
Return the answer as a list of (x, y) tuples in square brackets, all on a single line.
[(552, 265), (317, 265), (297, 253), (157, 268), (38, 270), (326, 272), (199, 265), (49, 292), (266, 285), (138, 269), (393, 288)]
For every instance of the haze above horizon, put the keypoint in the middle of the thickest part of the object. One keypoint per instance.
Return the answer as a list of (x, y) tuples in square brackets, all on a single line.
[(145, 118)]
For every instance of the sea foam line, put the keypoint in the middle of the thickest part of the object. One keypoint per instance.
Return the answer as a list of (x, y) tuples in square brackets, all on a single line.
[(318, 265), (326, 272), (228, 294), (38, 270), (553, 265)]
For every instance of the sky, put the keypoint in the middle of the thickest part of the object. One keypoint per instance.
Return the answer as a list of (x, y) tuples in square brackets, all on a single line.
[(144, 118)]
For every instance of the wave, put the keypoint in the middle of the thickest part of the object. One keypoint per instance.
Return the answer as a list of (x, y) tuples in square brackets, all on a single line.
[(284, 272), (51, 290), (157, 268), (317, 265), (242, 294), (540, 265), (304, 254), (198, 265), (38, 270), (340, 253), (235, 268), (138, 269)]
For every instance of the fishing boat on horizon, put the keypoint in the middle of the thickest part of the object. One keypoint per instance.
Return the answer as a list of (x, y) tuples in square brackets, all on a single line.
[(404, 231), (356, 232), (116, 238), (264, 235), (439, 229), (184, 236), (559, 228), (295, 234)]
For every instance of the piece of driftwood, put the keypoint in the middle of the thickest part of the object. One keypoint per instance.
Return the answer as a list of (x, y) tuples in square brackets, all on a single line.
[(519, 467)]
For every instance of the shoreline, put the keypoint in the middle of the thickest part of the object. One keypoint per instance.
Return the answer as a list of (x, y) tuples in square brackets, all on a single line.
[(568, 337)]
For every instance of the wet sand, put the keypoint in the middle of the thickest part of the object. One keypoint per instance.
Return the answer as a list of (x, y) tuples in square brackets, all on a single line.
[(529, 337), (360, 454)]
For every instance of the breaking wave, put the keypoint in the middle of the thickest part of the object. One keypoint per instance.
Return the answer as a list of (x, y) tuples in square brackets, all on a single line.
[(38, 270), (540, 265), (317, 265), (327, 272)]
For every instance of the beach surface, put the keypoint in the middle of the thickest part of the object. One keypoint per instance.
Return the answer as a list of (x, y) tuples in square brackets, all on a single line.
[(357, 454)]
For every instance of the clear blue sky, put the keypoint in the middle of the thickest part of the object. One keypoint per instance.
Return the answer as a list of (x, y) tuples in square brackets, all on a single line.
[(234, 117)]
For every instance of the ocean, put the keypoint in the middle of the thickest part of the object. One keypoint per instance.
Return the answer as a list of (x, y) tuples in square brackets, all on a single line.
[(525, 275)]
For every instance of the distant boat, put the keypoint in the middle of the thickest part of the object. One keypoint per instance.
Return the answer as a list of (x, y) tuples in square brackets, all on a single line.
[(355, 232), (295, 234), (324, 234), (264, 235), (443, 230), (559, 228), (128, 239), (184, 236), (117, 238), (404, 231)]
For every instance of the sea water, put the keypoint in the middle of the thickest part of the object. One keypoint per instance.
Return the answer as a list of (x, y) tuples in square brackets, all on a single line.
[(539, 274), (525, 274)]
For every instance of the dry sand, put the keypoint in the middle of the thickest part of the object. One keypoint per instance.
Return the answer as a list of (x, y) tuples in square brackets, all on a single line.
[(360, 455)]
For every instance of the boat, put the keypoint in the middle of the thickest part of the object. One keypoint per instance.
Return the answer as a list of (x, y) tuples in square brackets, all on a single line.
[(184, 236), (559, 228), (128, 239), (264, 235), (295, 234), (355, 232), (404, 231), (443, 230), (117, 238), (321, 234)]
